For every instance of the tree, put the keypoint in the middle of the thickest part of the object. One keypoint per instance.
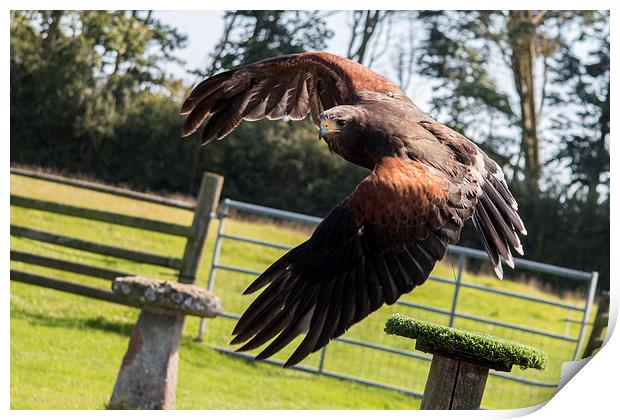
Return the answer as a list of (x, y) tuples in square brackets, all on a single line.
[(582, 85), (583, 135), (367, 28), (522, 38), (472, 53), (50, 77), (132, 48), (544, 77), (72, 76)]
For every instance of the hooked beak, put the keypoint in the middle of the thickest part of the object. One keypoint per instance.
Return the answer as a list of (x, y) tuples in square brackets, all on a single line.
[(326, 127), (322, 131)]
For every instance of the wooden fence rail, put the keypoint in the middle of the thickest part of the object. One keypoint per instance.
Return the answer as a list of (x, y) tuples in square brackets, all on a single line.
[(187, 266), (95, 186), (72, 267), (66, 286), (94, 247), (102, 216)]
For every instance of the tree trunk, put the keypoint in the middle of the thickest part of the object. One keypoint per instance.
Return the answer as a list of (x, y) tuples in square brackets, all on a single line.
[(522, 39), (594, 177), (52, 33), (372, 19)]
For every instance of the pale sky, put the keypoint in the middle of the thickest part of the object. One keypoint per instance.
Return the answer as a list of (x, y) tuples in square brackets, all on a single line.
[(203, 29)]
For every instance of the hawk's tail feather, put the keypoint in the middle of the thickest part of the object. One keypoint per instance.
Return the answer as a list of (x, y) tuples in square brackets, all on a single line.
[(497, 223)]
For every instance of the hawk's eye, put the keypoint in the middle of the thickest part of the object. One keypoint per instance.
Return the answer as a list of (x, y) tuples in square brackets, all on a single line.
[(341, 123)]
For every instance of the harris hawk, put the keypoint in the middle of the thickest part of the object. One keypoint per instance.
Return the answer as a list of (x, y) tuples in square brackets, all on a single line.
[(383, 239)]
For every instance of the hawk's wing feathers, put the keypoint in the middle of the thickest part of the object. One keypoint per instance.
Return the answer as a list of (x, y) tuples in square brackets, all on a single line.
[(292, 85), (495, 218), (372, 248)]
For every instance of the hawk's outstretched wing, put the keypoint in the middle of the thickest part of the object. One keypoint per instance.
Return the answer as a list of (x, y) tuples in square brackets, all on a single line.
[(496, 219), (292, 85), (377, 244)]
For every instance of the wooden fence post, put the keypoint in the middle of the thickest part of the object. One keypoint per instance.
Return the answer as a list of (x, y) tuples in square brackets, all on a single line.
[(599, 327), (454, 385), (206, 203)]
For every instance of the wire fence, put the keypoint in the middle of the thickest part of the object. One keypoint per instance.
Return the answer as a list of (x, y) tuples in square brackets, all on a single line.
[(365, 354)]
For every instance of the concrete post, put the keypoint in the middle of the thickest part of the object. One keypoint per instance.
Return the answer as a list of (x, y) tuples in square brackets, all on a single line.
[(147, 378)]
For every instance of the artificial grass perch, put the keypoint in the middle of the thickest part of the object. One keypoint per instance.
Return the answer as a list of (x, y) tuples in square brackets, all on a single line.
[(461, 361), (486, 348)]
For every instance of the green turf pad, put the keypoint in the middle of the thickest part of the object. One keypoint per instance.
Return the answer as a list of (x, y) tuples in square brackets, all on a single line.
[(487, 349)]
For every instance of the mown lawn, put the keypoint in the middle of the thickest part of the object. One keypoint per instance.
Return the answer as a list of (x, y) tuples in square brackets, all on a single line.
[(66, 349)]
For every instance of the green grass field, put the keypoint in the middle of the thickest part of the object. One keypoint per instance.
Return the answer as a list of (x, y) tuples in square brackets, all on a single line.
[(66, 349)]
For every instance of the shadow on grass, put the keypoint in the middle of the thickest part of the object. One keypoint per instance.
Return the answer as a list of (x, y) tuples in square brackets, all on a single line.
[(98, 323)]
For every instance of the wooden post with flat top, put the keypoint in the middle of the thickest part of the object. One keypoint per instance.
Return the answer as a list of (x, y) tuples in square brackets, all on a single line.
[(461, 361)]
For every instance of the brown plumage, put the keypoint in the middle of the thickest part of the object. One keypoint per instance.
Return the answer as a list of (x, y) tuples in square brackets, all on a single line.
[(383, 239)]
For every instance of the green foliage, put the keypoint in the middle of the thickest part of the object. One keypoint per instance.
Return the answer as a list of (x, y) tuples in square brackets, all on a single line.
[(72, 76), (567, 232), (483, 346), (50, 80), (466, 53), (131, 48)]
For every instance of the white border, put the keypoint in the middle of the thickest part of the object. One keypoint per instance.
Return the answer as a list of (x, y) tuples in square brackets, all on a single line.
[(592, 393)]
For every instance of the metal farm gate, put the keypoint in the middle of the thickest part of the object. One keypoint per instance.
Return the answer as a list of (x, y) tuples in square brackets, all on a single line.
[(373, 358)]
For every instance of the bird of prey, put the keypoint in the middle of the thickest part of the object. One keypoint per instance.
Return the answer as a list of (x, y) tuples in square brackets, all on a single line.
[(383, 239)]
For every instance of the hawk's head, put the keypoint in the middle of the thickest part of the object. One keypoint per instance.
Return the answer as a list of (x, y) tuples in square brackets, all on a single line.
[(341, 121), (341, 127), (350, 132)]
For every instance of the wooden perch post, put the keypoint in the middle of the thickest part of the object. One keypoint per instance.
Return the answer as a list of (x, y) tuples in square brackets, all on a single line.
[(454, 384), (461, 361), (148, 375)]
